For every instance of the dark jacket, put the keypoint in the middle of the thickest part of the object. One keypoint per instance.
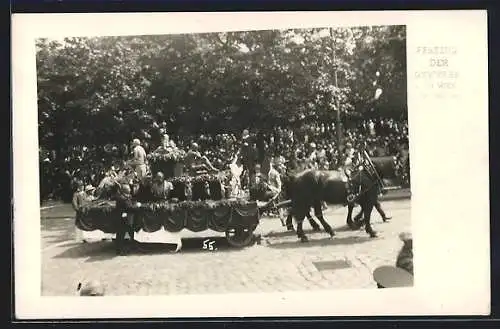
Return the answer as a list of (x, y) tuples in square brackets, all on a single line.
[(124, 204), (123, 201), (405, 257)]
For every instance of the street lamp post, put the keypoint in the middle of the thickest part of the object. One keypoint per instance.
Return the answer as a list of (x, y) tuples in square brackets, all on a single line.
[(335, 79)]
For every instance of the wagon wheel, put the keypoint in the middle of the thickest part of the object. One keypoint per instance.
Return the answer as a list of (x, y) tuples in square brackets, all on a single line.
[(239, 237)]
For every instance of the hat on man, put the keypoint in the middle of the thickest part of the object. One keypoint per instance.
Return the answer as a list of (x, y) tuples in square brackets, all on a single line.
[(246, 134), (392, 277), (136, 141), (89, 188)]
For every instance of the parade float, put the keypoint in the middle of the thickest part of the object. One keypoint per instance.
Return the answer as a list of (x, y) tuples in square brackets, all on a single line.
[(198, 202)]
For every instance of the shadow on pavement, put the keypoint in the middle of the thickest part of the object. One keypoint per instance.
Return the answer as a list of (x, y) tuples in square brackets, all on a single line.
[(346, 228), (189, 245), (283, 234), (105, 250), (83, 250), (327, 241)]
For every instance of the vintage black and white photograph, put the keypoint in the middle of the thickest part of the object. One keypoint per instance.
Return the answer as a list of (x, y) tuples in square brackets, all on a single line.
[(231, 162), (250, 164)]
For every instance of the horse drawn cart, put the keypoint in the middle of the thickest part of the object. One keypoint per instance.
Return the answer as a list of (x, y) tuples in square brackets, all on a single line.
[(199, 203)]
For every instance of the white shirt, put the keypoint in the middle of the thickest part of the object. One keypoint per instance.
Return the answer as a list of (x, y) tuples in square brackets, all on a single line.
[(371, 126), (350, 159), (274, 180), (139, 155)]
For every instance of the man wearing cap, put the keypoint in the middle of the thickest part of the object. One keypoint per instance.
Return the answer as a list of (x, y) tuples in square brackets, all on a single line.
[(139, 160), (400, 275), (79, 197), (89, 191), (124, 219)]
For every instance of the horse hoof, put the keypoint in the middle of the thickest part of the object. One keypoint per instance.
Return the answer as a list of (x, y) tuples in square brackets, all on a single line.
[(373, 234), (304, 239), (332, 234), (386, 219), (289, 228)]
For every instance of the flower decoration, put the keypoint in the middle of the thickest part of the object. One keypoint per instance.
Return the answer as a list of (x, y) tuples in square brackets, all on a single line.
[(175, 155)]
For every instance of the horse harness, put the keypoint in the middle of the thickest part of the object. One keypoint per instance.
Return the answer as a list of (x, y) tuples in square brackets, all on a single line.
[(370, 168)]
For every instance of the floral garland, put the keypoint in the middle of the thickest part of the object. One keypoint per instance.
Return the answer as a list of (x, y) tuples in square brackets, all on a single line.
[(188, 205), (103, 206), (165, 206), (222, 176), (176, 155)]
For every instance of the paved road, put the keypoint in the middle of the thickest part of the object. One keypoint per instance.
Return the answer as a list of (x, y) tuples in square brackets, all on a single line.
[(277, 263)]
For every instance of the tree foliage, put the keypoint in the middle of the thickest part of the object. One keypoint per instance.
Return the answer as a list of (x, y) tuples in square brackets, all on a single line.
[(111, 88)]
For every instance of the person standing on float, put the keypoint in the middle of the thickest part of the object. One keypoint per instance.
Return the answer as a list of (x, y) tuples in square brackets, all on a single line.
[(139, 160), (247, 157), (165, 147)]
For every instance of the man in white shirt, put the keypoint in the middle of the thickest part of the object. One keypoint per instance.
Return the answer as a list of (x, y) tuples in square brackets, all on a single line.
[(236, 168), (273, 181), (139, 159), (312, 158)]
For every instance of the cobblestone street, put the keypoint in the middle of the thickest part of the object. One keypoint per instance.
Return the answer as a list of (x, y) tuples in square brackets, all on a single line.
[(278, 262)]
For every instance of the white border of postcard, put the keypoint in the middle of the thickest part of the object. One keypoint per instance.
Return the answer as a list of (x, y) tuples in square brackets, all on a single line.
[(449, 169)]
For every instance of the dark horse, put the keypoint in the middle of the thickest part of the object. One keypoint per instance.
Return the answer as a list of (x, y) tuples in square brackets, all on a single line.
[(385, 169), (310, 188)]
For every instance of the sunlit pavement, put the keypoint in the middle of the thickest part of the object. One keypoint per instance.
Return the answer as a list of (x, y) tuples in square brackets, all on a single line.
[(277, 262)]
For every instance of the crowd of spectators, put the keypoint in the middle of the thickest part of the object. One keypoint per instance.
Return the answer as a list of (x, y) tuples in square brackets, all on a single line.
[(380, 137)]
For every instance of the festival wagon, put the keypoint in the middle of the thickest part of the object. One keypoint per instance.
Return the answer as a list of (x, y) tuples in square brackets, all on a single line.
[(198, 203)]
